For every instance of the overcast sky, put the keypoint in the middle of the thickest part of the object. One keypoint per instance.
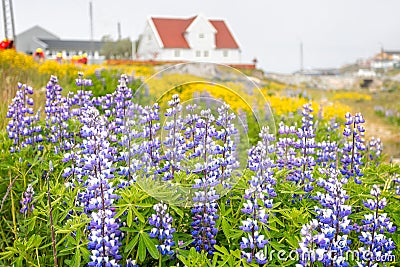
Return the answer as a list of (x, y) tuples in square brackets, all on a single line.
[(333, 32)]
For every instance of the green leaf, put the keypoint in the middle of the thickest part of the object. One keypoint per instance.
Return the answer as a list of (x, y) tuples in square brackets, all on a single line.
[(226, 228), (132, 244), (223, 250), (129, 218), (141, 250), (275, 219), (151, 247), (177, 210), (139, 215), (77, 258), (121, 209)]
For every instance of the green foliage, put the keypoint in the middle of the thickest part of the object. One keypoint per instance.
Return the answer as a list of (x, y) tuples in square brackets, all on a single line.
[(120, 49)]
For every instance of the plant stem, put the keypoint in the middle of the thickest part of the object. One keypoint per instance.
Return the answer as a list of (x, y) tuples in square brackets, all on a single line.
[(8, 191), (13, 213), (53, 239)]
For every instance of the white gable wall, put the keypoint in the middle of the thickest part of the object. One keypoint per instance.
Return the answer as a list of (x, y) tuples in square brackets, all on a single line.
[(149, 46), (200, 35)]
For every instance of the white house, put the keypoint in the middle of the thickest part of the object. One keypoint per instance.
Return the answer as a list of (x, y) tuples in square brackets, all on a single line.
[(191, 39)]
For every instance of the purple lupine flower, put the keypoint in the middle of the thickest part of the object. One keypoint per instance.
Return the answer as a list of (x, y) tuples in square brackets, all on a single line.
[(83, 83), (190, 130), (74, 170), (310, 241), (124, 116), (121, 101), (209, 173), (333, 225), (374, 149), (131, 263), (81, 100), (23, 126), (327, 152), (27, 201), (162, 230), (377, 247), (175, 143), (396, 180), (351, 152), (97, 73), (285, 150), (305, 144), (149, 149), (261, 190), (57, 109), (226, 134), (128, 147), (97, 162)]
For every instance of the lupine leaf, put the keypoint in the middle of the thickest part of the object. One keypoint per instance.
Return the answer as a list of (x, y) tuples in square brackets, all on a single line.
[(151, 246)]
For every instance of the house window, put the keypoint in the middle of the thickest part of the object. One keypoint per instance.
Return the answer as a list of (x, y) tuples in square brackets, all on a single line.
[(177, 53), (149, 37), (225, 53), (205, 53), (201, 35), (198, 53)]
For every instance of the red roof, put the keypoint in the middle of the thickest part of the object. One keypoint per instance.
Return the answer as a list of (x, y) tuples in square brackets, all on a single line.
[(171, 32), (224, 38)]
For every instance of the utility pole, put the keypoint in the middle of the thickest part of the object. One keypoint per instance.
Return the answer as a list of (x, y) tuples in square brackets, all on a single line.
[(8, 16), (91, 20), (301, 58), (91, 54), (119, 31)]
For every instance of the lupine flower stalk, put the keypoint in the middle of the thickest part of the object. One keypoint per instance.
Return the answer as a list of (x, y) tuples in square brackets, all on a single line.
[(226, 134), (396, 180), (123, 115), (99, 197), (23, 128), (57, 109), (306, 145), (128, 147), (83, 83), (258, 199), (309, 245), (83, 97), (374, 149), (162, 230), (377, 247), (190, 130), (327, 152), (122, 100), (285, 150), (209, 172), (27, 201), (352, 150), (334, 226), (150, 146), (175, 144)]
